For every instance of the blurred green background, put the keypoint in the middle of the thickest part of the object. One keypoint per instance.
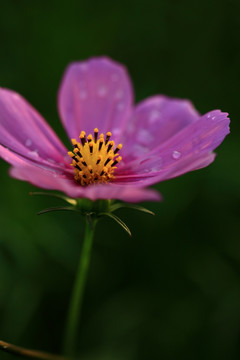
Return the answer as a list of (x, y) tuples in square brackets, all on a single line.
[(173, 290)]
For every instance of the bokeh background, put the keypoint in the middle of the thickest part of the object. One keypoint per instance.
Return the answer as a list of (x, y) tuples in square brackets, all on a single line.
[(172, 291)]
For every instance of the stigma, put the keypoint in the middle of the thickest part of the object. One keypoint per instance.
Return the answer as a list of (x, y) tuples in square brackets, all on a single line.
[(94, 158)]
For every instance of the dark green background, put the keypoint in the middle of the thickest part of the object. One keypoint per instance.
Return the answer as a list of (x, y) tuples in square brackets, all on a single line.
[(173, 290)]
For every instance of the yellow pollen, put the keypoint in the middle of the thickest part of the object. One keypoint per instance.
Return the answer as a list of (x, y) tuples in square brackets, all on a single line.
[(94, 158)]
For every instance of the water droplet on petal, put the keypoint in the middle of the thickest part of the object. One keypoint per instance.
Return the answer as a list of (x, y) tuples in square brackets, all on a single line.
[(83, 94), (84, 67), (140, 148), (214, 117), (16, 96), (28, 142), (119, 94), (176, 155), (151, 164), (116, 131), (52, 161), (120, 106), (144, 137), (156, 168), (115, 77), (102, 91), (131, 128), (208, 116), (154, 116), (33, 153)]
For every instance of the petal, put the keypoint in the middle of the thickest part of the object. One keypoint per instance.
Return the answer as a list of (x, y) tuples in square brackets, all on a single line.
[(153, 121), (19, 161), (188, 150), (185, 165), (124, 192), (49, 179), (12, 158), (95, 93), (24, 131)]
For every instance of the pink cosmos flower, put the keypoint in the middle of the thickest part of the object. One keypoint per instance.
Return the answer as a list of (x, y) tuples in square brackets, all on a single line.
[(158, 139)]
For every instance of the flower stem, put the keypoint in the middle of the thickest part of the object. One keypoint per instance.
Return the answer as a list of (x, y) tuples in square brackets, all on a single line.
[(74, 311), (26, 353)]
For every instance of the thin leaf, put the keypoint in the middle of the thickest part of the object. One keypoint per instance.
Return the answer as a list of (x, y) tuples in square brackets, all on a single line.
[(131, 206), (62, 197), (59, 208), (119, 221)]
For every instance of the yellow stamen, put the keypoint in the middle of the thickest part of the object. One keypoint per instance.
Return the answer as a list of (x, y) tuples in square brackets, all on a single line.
[(94, 158), (89, 138), (95, 134)]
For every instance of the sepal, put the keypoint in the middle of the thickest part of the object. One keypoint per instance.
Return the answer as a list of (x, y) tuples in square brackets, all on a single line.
[(57, 208), (59, 196), (119, 221), (93, 210), (117, 206)]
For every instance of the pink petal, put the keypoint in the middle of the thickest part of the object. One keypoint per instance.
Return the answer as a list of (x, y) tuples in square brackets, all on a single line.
[(154, 121), (25, 132), (49, 179), (124, 192), (19, 161), (181, 153), (187, 164), (95, 93)]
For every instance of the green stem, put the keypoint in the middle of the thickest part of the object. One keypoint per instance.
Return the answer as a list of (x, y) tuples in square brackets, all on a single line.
[(78, 292)]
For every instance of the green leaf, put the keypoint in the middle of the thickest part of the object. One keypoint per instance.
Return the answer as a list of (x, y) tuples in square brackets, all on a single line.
[(59, 208), (119, 221), (131, 206), (62, 197)]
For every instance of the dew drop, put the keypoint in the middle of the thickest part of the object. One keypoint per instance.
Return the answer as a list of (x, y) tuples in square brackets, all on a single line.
[(102, 91), (154, 116), (144, 137), (83, 94), (138, 148), (33, 153), (84, 67), (52, 161), (131, 128), (208, 116), (214, 117), (176, 155), (151, 164), (16, 96), (115, 77), (119, 94), (145, 171), (116, 131), (28, 142), (120, 106), (82, 83), (156, 168)]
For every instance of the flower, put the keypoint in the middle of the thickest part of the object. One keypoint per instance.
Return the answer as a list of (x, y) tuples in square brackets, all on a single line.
[(158, 139)]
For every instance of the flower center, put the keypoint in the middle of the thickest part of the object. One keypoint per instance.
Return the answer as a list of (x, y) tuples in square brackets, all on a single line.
[(94, 159)]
